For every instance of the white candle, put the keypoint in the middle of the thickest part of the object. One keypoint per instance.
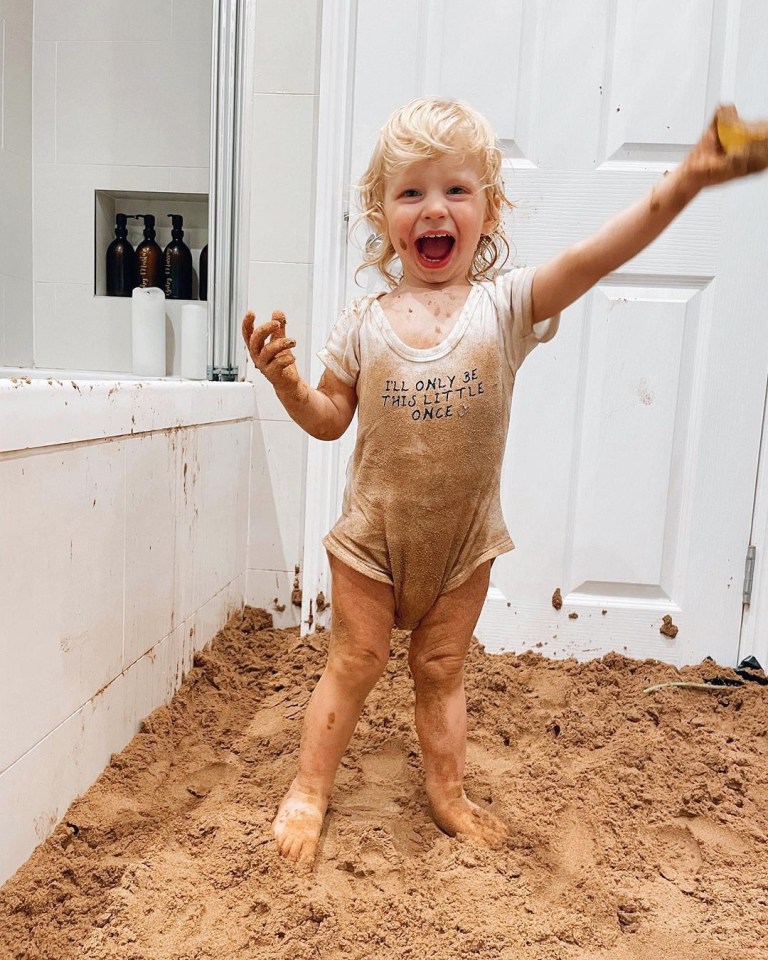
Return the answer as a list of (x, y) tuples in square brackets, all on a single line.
[(194, 341), (148, 331)]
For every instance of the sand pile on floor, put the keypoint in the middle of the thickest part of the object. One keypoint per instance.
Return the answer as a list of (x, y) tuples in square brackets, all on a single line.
[(639, 823)]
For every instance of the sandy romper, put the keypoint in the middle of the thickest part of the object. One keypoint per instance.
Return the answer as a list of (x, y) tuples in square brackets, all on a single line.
[(422, 507)]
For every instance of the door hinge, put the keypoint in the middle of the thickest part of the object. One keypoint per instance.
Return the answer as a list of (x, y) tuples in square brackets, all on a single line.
[(749, 573)]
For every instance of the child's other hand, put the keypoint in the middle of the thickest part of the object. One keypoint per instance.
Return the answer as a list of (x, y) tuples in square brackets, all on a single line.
[(709, 163), (270, 349)]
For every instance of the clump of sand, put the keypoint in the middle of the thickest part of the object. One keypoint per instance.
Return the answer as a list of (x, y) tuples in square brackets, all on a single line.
[(639, 823)]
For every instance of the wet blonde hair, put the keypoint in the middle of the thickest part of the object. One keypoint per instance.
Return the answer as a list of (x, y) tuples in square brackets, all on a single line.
[(427, 129)]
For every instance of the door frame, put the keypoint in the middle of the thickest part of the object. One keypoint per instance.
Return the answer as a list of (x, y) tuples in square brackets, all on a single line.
[(334, 134), (753, 640)]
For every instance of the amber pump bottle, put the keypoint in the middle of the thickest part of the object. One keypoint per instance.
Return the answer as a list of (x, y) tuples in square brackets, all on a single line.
[(121, 261), (149, 256), (177, 261), (204, 273)]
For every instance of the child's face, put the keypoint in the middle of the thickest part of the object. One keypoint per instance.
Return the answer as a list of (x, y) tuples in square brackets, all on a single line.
[(436, 211)]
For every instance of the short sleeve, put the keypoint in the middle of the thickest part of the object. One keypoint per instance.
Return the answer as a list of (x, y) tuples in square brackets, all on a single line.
[(341, 353), (514, 306)]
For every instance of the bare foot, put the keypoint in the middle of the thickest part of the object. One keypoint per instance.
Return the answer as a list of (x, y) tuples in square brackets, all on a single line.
[(459, 815), (298, 823)]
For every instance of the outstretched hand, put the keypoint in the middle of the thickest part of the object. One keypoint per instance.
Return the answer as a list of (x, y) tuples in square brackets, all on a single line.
[(709, 162), (270, 349)]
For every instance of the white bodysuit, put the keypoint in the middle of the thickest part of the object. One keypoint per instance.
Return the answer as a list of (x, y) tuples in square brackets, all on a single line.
[(422, 507)]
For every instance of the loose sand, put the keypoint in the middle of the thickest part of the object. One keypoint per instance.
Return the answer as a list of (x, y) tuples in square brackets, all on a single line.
[(639, 822)]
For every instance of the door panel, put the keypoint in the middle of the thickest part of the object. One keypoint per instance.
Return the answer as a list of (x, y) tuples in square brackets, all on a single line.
[(629, 476)]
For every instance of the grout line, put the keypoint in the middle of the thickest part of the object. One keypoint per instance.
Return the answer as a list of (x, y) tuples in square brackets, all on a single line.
[(114, 679), (73, 444)]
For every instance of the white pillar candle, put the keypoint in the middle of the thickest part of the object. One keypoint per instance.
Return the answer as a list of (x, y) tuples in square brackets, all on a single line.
[(148, 331), (194, 341)]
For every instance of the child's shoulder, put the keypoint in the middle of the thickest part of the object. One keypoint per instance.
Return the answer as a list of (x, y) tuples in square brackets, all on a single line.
[(356, 309)]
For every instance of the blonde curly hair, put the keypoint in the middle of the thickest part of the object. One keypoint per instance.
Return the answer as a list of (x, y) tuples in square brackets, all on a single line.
[(426, 129)]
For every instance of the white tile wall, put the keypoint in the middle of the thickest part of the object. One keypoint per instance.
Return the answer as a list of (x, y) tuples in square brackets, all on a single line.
[(272, 590), (277, 504), (36, 791), (64, 211), (215, 518), (121, 101), (17, 85), (92, 633), (153, 108), (61, 590), (286, 287), (189, 179), (192, 21), (17, 305), (280, 277), (220, 522), (282, 186), (16, 232), (76, 331), (15, 180), (44, 101), (75, 20), (152, 471), (2, 80), (286, 46)]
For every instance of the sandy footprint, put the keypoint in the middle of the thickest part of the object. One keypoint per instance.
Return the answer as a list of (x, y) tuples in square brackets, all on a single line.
[(386, 766), (714, 834), (680, 856)]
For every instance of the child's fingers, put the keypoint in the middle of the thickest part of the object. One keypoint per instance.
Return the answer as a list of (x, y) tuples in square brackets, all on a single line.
[(258, 338), (278, 318), (274, 348), (247, 327), (276, 358)]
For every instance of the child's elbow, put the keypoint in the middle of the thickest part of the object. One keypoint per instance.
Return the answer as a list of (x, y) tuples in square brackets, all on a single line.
[(329, 431)]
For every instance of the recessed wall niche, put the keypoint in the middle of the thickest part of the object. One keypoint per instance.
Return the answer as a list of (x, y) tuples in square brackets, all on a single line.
[(193, 207)]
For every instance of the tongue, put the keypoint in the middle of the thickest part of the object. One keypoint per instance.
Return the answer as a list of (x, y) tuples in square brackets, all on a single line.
[(435, 248)]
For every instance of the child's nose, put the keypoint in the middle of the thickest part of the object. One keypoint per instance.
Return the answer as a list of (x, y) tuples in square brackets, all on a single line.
[(434, 208)]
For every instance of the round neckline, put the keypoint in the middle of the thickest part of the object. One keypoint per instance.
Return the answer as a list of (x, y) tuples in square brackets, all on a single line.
[(428, 353)]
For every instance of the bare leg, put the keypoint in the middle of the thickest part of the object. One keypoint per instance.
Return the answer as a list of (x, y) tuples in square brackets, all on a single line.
[(363, 616), (438, 649)]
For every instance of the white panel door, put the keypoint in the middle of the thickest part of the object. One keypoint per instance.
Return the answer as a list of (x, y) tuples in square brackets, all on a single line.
[(631, 462)]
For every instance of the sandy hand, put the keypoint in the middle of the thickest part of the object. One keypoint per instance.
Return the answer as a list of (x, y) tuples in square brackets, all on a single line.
[(459, 815), (298, 825), (270, 349), (714, 160)]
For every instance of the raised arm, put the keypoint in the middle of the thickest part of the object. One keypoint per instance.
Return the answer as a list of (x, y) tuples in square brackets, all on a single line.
[(324, 412), (573, 272)]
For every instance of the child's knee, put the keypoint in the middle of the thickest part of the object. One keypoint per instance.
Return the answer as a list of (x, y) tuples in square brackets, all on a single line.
[(437, 668), (356, 666)]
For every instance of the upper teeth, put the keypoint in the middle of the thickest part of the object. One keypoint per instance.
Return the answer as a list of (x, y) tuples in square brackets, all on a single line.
[(426, 236)]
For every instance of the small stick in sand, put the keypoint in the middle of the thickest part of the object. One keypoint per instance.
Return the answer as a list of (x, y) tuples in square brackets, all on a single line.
[(687, 685)]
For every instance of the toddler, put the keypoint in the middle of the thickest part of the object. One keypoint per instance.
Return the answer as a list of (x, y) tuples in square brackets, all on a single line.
[(430, 367)]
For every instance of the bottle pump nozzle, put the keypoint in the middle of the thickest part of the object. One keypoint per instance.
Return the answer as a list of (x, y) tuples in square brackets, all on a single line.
[(177, 223), (149, 222)]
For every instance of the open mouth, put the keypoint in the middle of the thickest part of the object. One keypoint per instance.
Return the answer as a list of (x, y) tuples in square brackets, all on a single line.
[(435, 249)]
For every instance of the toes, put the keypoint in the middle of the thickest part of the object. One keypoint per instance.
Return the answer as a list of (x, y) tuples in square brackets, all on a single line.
[(292, 849)]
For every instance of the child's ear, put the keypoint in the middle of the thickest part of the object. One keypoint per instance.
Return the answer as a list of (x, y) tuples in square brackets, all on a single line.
[(493, 215)]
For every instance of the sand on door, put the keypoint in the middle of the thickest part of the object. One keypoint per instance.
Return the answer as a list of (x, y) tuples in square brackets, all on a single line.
[(630, 470)]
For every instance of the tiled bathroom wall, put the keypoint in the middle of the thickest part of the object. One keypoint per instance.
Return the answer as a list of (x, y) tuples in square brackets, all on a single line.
[(285, 88), (147, 130), (122, 520), (16, 182)]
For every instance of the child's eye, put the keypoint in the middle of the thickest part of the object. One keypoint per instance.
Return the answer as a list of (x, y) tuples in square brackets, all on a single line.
[(410, 193), (457, 189)]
